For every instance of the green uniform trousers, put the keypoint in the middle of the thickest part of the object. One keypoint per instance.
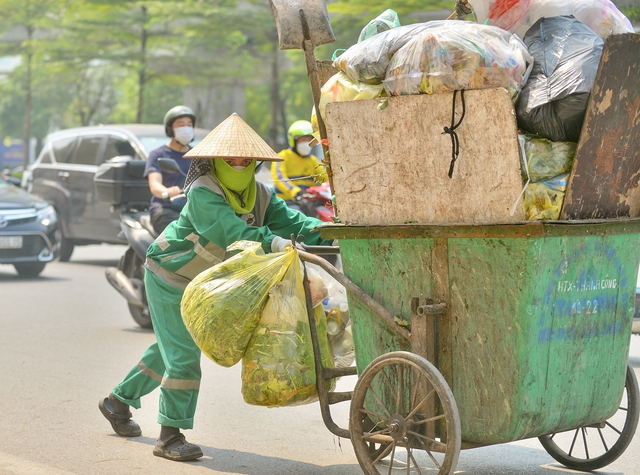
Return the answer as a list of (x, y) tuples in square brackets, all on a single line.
[(173, 362)]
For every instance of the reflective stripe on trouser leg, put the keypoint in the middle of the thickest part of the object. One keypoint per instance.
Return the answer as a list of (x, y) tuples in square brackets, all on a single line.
[(142, 379), (181, 379)]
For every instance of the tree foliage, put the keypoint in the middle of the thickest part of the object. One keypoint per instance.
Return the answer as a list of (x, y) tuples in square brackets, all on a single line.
[(86, 62)]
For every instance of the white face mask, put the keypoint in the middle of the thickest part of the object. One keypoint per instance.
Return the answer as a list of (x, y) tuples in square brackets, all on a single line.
[(303, 149), (239, 167), (184, 135)]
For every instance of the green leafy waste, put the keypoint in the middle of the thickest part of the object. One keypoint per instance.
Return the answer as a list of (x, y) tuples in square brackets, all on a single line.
[(222, 305), (278, 368)]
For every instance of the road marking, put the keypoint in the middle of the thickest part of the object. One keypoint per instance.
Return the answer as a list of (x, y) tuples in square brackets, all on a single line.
[(10, 465)]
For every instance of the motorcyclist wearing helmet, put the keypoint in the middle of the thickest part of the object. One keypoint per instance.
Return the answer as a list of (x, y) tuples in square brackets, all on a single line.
[(300, 168), (179, 123)]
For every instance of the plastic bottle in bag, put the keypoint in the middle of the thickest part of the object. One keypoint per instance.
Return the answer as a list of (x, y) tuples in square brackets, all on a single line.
[(337, 296), (340, 338), (317, 287), (342, 348)]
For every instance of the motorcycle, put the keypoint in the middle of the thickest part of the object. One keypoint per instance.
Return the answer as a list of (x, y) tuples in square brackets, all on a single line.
[(316, 202), (128, 277), (136, 228)]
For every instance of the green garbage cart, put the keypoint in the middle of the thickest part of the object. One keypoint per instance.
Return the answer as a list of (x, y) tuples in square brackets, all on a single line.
[(472, 326), (468, 336)]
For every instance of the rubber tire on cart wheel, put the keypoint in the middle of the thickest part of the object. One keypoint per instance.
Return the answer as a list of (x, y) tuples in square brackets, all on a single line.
[(401, 420), (29, 269), (66, 248), (578, 439)]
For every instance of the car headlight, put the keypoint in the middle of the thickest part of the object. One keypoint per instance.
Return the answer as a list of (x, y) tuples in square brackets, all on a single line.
[(47, 216)]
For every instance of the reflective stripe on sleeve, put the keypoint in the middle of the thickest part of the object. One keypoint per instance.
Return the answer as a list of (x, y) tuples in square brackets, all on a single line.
[(162, 241), (200, 250), (178, 255)]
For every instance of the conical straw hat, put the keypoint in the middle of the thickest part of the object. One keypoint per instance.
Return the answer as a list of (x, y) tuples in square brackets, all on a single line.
[(233, 138)]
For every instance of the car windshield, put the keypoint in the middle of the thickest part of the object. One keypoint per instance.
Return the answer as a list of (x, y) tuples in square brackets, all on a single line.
[(153, 142)]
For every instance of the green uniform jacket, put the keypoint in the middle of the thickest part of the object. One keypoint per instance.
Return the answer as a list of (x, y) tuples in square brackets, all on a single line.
[(207, 225)]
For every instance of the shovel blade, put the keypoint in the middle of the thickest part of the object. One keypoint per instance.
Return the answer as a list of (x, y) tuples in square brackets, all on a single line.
[(290, 16)]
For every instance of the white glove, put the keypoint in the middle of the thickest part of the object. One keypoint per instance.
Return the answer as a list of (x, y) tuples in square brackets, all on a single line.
[(280, 244)]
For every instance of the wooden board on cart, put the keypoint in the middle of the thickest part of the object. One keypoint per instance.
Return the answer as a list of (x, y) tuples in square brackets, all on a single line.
[(606, 168), (390, 164)]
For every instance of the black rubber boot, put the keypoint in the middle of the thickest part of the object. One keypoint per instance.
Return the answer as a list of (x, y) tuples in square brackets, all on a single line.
[(172, 445), (119, 416)]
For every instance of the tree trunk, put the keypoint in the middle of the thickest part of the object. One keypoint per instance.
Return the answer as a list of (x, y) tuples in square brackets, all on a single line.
[(142, 73), (275, 97), (26, 134), (283, 121)]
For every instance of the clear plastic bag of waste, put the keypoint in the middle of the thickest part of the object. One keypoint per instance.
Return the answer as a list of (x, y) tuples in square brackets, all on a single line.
[(459, 55), (517, 16)]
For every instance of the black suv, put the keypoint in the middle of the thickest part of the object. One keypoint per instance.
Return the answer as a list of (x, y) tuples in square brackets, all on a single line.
[(64, 170)]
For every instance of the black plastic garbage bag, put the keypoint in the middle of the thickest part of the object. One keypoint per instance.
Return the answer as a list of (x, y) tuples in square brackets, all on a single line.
[(566, 55)]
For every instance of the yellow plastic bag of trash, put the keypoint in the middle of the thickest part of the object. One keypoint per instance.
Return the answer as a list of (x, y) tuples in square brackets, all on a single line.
[(278, 368), (339, 88), (543, 200), (222, 305)]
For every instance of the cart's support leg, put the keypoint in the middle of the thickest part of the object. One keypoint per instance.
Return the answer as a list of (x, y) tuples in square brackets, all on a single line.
[(424, 340), (323, 374), (424, 336)]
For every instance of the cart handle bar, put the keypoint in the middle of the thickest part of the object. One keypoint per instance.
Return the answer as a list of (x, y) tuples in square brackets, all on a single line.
[(321, 250), (357, 292)]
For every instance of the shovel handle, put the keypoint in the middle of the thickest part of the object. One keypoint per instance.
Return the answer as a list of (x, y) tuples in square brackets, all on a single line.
[(314, 80)]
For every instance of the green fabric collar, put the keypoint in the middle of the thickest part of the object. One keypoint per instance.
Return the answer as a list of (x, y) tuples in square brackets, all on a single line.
[(239, 185)]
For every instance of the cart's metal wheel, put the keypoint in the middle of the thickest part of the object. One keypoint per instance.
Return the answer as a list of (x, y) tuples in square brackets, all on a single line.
[(403, 415), (593, 447)]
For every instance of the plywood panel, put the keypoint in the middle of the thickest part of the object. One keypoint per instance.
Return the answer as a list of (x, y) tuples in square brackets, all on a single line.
[(606, 168), (390, 164)]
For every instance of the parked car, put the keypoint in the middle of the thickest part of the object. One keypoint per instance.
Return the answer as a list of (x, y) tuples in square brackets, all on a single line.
[(64, 170), (29, 230)]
